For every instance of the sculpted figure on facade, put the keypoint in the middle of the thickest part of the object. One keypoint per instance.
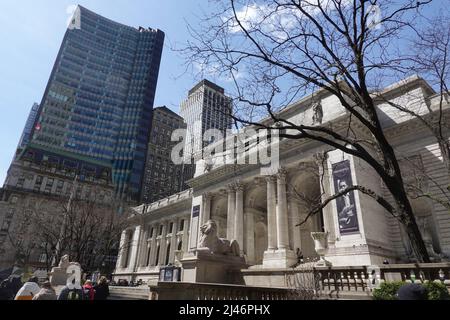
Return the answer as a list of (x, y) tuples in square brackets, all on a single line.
[(209, 240)]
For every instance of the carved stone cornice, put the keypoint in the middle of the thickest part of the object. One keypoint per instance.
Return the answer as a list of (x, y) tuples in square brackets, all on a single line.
[(271, 179)]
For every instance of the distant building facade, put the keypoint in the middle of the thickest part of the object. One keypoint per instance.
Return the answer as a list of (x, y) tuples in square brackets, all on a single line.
[(90, 134), (98, 103), (162, 177), (206, 107), (42, 187), (26, 134)]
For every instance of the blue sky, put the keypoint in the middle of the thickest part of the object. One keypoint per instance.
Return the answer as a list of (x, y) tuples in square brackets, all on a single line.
[(31, 33), (30, 36)]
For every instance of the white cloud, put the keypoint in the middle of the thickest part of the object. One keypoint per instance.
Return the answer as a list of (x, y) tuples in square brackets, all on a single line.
[(213, 70), (274, 20)]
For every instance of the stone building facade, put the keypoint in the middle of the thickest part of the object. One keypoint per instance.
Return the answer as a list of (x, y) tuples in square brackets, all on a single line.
[(262, 209), (35, 184), (162, 177)]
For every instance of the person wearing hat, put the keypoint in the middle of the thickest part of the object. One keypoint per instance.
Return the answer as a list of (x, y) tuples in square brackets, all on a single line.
[(412, 291), (28, 290), (88, 290), (46, 293)]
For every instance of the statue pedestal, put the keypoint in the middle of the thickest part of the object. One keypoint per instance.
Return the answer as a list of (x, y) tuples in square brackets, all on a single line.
[(280, 258), (58, 276), (201, 266)]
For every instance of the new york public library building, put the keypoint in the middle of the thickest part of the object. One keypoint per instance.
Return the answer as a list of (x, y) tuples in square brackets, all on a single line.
[(177, 246)]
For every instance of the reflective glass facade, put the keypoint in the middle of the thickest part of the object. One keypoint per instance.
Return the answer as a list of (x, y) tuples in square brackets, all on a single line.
[(99, 100)]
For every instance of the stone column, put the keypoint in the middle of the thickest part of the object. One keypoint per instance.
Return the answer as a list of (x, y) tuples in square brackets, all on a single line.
[(250, 236), (239, 217), (162, 246), (282, 215), (121, 263), (153, 245), (231, 210), (173, 241), (294, 230), (134, 248), (206, 211), (271, 213), (329, 222), (143, 248), (186, 234)]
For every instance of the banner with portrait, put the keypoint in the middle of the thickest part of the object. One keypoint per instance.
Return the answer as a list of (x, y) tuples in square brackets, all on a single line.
[(346, 206)]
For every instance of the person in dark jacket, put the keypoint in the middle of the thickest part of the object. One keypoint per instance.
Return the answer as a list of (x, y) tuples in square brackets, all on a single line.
[(71, 294), (101, 289)]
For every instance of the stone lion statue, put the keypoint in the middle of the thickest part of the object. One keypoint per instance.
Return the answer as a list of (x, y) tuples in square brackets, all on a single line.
[(210, 240), (64, 262)]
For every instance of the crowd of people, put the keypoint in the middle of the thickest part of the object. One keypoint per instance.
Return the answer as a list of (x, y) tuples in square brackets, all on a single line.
[(13, 289)]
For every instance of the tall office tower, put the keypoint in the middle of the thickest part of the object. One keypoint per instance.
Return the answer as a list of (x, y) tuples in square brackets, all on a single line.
[(207, 107), (26, 134), (162, 177), (96, 111)]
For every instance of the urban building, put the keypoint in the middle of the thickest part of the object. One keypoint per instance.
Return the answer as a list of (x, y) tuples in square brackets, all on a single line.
[(36, 192), (162, 177), (262, 212), (88, 138), (26, 134), (206, 107), (98, 103)]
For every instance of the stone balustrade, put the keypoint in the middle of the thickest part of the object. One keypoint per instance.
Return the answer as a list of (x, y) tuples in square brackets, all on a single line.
[(202, 291), (338, 282)]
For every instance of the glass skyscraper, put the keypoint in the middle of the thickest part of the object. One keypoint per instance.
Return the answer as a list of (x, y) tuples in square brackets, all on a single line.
[(96, 113)]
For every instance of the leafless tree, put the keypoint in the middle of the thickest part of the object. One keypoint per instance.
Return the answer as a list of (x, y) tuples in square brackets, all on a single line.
[(429, 57), (277, 51)]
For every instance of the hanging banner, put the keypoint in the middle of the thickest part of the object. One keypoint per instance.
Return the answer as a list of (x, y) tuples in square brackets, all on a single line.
[(346, 207)]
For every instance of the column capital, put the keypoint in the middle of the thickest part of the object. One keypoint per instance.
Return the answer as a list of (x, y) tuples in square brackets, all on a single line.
[(282, 175), (231, 187), (240, 186), (271, 179), (207, 195), (320, 158)]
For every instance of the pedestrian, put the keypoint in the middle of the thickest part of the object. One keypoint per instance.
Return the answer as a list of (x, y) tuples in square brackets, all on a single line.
[(71, 294), (46, 293), (101, 289), (6, 290), (28, 290), (88, 290)]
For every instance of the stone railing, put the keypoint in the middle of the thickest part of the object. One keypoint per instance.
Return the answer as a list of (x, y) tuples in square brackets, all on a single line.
[(358, 282), (202, 291), (128, 293)]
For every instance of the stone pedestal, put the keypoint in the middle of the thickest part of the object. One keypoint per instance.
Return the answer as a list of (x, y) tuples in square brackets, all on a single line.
[(59, 275), (281, 258), (201, 266)]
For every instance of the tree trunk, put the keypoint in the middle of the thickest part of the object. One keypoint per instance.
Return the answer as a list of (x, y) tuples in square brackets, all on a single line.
[(394, 182)]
